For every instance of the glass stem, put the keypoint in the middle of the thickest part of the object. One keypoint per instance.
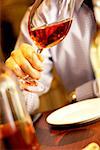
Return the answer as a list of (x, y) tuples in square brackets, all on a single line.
[(39, 50)]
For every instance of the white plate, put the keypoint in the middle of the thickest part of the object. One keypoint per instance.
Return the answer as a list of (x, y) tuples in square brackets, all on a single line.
[(80, 112)]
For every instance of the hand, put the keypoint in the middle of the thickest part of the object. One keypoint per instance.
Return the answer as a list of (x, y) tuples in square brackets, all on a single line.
[(25, 61)]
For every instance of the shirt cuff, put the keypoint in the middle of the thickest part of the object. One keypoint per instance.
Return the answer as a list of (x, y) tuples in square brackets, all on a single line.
[(87, 91)]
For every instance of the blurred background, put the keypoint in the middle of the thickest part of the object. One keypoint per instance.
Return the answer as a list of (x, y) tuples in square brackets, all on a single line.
[(11, 13)]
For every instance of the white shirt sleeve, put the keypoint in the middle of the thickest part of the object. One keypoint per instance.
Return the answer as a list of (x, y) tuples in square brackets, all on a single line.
[(32, 99)]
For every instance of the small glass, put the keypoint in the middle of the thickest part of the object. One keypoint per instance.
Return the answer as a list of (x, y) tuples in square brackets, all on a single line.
[(16, 129)]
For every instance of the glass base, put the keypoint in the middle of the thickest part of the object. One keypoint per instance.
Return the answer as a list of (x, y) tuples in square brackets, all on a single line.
[(31, 85), (38, 88)]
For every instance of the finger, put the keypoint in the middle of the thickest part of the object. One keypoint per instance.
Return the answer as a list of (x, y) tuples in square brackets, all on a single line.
[(40, 57), (24, 64), (31, 56), (10, 63)]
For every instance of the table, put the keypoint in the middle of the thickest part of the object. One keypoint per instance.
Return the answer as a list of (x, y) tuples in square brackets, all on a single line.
[(66, 138)]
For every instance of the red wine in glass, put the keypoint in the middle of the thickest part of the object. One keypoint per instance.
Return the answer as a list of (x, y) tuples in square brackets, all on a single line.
[(50, 35), (21, 138)]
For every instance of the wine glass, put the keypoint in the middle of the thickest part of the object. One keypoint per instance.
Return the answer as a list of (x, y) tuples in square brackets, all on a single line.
[(16, 128), (49, 22)]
